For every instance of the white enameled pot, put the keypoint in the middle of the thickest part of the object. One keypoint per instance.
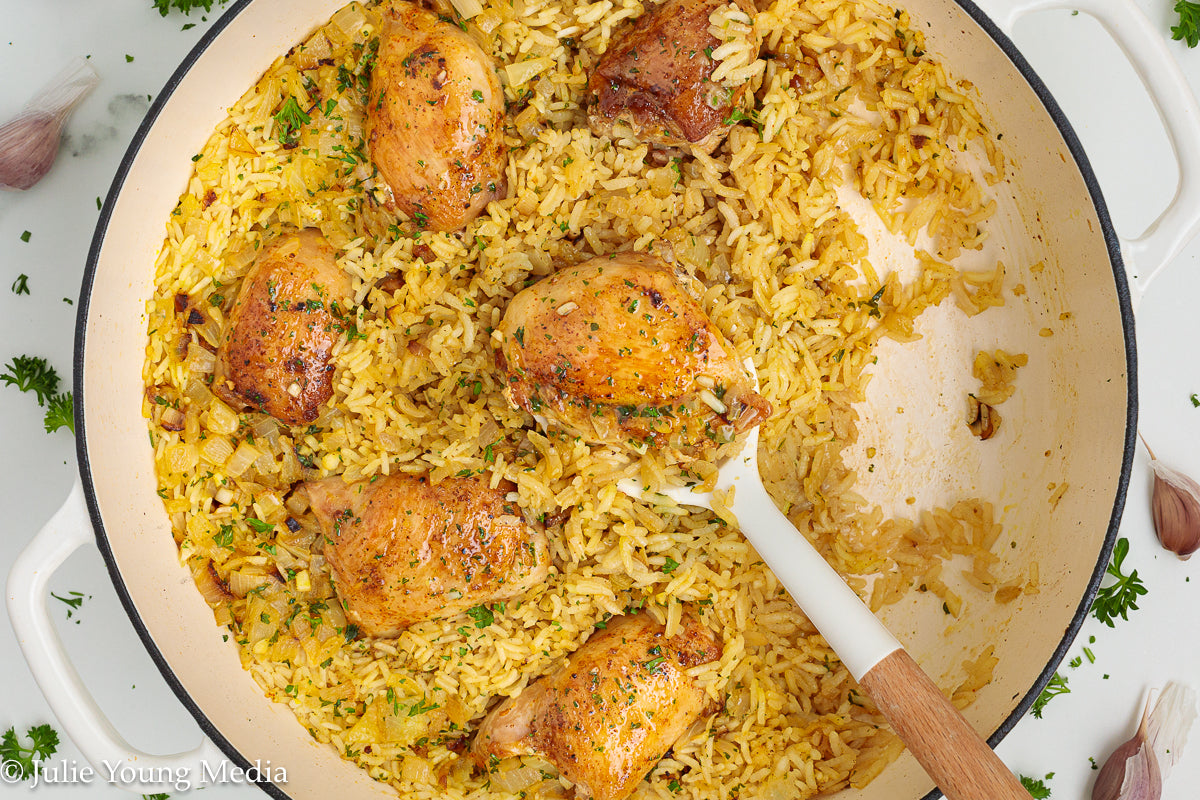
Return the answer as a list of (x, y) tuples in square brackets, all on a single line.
[(1075, 411)]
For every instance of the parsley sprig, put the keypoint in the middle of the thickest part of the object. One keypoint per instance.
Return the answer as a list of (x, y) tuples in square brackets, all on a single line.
[(1188, 29), (290, 119), (1036, 787), (164, 7), (1119, 598), (1056, 686), (60, 413), (43, 743), (32, 374)]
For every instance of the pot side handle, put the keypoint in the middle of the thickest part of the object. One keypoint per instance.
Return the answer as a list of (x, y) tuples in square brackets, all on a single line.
[(1146, 49), (82, 719)]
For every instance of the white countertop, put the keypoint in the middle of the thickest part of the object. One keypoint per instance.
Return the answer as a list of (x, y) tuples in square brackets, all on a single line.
[(135, 50)]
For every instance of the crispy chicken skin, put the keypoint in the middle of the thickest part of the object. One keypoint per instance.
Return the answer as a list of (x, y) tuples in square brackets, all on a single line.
[(617, 351), (607, 716), (435, 119), (654, 77), (274, 354), (402, 551)]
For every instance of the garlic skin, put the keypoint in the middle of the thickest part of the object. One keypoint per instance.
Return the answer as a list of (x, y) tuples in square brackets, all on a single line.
[(1172, 718), (29, 142), (1176, 508)]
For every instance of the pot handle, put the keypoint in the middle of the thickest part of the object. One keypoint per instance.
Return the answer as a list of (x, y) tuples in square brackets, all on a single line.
[(1168, 88), (69, 698)]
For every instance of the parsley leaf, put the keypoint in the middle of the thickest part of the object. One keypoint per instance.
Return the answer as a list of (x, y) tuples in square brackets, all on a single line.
[(482, 615), (1188, 28), (669, 565), (21, 286), (259, 525), (43, 744), (1036, 787), (422, 706), (1118, 599), (60, 413), (32, 374), (290, 119), (1056, 686)]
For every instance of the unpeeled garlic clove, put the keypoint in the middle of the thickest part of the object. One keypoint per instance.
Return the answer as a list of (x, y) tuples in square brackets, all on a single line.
[(1132, 771), (1176, 508), (1136, 770), (29, 142)]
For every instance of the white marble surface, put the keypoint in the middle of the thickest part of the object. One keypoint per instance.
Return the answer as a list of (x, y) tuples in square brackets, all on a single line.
[(135, 50)]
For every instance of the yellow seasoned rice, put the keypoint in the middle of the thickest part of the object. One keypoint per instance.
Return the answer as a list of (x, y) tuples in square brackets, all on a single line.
[(847, 100)]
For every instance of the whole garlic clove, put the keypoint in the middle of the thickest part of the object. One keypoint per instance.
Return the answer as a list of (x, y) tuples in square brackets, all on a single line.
[(29, 142), (1132, 771), (1175, 505), (1136, 770)]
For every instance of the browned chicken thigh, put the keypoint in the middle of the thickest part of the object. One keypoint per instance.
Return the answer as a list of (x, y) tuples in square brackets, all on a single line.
[(617, 351), (656, 78), (274, 354), (612, 711), (435, 119), (402, 551)]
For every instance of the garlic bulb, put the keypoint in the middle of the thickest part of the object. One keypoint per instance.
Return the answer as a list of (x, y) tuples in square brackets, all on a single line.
[(1176, 508), (1136, 770), (29, 142)]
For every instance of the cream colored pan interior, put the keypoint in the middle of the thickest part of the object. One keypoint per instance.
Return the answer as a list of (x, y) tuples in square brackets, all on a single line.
[(1069, 421)]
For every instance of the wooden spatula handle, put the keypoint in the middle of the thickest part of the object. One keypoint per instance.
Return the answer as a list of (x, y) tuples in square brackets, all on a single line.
[(945, 744)]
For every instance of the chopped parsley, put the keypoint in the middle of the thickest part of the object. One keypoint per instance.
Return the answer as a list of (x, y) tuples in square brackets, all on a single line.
[(421, 706), (482, 615), (165, 6), (21, 286), (73, 601), (259, 525), (1036, 787)]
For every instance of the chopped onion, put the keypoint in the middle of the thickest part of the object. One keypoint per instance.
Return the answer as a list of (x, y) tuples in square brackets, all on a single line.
[(200, 360), (244, 581), (522, 72), (297, 503), (211, 588), (515, 779), (290, 469), (197, 392), (221, 418), (245, 455), (181, 458), (269, 505), (350, 20), (467, 8), (216, 450)]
